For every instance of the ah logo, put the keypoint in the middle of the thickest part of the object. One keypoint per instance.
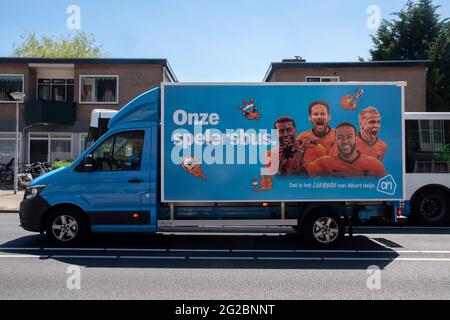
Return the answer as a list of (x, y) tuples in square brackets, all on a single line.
[(387, 185)]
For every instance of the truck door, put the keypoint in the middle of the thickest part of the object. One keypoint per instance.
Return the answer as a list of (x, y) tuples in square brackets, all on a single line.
[(118, 182)]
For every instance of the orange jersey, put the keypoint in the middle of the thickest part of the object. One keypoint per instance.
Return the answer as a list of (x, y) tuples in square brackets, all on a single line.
[(312, 153), (327, 141), (376, 150), (362, 166)]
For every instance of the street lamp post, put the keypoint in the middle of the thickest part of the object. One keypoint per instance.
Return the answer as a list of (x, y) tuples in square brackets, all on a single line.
[(18, 97)]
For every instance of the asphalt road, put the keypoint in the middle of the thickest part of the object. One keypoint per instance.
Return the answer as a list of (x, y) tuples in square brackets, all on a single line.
[(273, 264)]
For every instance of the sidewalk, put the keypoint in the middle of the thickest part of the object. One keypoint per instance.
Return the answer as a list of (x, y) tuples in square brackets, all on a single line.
[(9, 202)]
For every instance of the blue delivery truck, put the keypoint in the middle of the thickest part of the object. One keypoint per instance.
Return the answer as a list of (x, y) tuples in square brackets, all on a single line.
[(310, 156)]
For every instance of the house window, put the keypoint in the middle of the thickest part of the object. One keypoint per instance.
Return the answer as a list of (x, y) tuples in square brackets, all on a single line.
[(55, 89), (99, 89), (321, 79), (8, 146), (45, 147), (9, 84)]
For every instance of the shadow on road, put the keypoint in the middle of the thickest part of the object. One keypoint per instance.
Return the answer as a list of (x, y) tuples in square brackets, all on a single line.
[(287, 251)]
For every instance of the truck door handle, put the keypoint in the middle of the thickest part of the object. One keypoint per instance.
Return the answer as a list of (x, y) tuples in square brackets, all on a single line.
[(135, 180)]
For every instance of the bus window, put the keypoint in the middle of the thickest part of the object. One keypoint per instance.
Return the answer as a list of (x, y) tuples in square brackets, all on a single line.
[(427, 146)]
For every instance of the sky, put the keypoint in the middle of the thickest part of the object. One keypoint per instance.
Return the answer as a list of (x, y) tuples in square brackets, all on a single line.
[(211, 40)]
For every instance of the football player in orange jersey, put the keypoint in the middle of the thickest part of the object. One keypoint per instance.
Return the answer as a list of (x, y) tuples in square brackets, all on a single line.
[(349, 162), (319, 115), (367, 141), (289, 157)]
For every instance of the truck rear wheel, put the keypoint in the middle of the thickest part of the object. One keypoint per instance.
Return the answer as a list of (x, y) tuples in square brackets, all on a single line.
[(323, 228), (66, 226), (430, 207)]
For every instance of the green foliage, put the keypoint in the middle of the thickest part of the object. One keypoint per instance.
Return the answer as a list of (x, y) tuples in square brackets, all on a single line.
[(418, 33), (80, 45), (61, 164)]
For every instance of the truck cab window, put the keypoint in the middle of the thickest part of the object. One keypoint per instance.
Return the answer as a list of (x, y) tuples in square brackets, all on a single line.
[(121, 152)]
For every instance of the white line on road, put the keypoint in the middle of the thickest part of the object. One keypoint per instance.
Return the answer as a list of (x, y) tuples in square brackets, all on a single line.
[(23, 249), (245, 250), (199, 250), (221, 258), (325, 251), (356, 259), (137, 250), (376, 251), (153, 257), (439, 252), (74, 249), (83, 257), (15, 256), (23, 256), (421, 259), (290, 258)]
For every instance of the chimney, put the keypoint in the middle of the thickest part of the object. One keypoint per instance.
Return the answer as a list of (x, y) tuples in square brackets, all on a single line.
[(295, 60)]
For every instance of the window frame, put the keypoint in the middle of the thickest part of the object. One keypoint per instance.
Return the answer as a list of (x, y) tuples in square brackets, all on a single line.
[(13, 139), (113, 151), (23, 86), (322, 77), (66, 85), (98, 76), (49, 138)]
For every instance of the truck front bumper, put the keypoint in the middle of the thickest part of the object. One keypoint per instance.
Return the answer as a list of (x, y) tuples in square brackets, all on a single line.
[(32, 213)]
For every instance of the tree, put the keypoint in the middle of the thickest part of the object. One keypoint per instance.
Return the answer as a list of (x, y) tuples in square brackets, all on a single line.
[(418, 33), (80, 45)]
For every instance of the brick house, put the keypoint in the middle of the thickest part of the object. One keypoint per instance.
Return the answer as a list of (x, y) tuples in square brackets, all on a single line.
[(59, 97), (413, 72)]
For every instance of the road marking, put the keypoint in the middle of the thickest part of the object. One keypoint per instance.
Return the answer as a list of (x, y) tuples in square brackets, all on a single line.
[(421, 259), (23, 256), (42, 257), (23, 249), (83, 257), (356, 259), (325, 251), (405, 251), (397, 227), (74, 249), (221, 258), (153, 257), (248, 250), (376, 251), (199, 250), (290, 258), (137, 250), (443, 252)]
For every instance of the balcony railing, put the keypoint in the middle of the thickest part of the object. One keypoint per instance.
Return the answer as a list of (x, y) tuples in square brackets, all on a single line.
[(52, 112)]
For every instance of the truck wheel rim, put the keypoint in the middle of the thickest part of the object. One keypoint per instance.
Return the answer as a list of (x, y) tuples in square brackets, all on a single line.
[(65, 228), (431, 208), (325, 230)]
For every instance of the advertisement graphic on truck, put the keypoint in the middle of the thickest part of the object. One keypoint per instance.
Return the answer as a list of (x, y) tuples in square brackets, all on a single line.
[(283, 142)]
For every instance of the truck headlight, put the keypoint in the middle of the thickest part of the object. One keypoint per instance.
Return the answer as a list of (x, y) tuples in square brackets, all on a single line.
[(33, 191)]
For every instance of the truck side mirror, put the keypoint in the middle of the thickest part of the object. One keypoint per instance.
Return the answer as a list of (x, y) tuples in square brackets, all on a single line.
[(88, 163)]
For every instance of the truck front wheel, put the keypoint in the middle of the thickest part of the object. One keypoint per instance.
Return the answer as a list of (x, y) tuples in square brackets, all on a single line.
[(66, 226), (323, 229)]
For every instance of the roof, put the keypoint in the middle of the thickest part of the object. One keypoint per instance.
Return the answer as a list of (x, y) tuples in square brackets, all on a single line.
[(365, 64), (163, 62)]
